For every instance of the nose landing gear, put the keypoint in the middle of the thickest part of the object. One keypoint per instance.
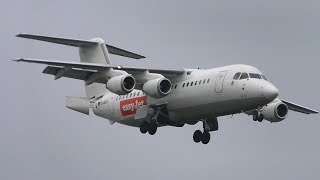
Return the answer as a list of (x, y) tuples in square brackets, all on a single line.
[(257, 116)]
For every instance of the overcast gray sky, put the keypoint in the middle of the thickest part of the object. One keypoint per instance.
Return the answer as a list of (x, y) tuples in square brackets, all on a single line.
[(41, 139)]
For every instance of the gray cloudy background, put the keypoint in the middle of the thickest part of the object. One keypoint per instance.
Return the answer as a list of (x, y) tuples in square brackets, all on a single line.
[(41, 139)]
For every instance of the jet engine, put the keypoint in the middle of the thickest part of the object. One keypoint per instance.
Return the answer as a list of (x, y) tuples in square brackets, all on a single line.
[(157, 88), (275, 111), (122, 84)]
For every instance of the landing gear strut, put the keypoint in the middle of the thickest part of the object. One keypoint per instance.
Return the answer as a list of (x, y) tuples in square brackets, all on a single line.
[(257, 116), (151, 128)]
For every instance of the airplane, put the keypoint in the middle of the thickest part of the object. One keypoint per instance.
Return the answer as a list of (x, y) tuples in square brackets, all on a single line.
[(149, 98)]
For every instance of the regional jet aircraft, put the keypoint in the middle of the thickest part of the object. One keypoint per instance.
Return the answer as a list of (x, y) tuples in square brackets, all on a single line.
[(150, 98)]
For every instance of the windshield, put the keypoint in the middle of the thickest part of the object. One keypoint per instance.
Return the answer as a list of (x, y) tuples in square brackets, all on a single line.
[(244, 76), (236, 76), (253, 75)]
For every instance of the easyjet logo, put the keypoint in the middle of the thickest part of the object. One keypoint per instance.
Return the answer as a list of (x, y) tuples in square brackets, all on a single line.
[(130, 106)]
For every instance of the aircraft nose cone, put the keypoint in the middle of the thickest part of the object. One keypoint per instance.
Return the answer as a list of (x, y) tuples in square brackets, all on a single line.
[(270, 92)]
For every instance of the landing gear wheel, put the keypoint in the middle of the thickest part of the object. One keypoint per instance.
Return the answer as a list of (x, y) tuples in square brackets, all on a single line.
[(205, 137), (153, 128), (144, 127), (197, 136), (260, 118), (255, 116)]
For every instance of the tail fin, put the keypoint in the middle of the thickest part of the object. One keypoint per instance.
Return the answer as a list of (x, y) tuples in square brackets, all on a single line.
[(96, 53)]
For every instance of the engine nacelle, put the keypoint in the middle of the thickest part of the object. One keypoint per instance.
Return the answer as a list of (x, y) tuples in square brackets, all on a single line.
[(275, 111), (157, 88), (122, 84)]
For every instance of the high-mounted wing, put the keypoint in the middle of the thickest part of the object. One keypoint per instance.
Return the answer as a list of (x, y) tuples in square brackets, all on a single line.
[(78, 43), (298, 108), (82, 71)]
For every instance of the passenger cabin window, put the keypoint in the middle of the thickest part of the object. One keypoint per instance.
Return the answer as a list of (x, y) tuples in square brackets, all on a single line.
[(236, 76), (244, 76), (253, 75)]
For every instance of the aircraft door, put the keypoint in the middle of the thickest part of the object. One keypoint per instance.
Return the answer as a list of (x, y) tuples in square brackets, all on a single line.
[(244, 78), (219, 81)]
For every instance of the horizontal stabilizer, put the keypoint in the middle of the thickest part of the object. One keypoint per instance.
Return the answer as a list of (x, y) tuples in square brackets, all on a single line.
[(79, 104), (81, 43)]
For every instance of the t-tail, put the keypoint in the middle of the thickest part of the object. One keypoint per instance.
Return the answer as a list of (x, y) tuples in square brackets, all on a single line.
[(90, 51)]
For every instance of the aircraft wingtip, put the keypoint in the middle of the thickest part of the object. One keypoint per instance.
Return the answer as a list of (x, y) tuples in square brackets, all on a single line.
[(21, 35), (17, 60)]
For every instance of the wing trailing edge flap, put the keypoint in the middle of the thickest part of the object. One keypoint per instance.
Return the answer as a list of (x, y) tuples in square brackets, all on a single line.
[(82, 71), (72, 73)]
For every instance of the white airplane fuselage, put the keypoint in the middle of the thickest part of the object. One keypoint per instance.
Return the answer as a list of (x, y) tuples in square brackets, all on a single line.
[(190, 100)]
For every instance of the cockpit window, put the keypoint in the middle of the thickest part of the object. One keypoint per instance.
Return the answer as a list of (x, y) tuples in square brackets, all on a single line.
[(264, 77), (253, 75), (244, 76), (236, 76)]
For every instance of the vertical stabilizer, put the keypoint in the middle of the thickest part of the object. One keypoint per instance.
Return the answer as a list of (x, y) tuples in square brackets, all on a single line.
[(96, 53)]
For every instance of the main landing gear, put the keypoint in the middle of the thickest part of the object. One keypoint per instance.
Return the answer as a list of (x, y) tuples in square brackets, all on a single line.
[(204, 137), (151, 128), (208, 125), (257, 116)]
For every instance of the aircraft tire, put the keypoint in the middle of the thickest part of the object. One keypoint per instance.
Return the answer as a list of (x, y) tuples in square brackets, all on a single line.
[(197, 136), (260, 118), (205, 137), (144, 127), (255, 116), (153, 128)]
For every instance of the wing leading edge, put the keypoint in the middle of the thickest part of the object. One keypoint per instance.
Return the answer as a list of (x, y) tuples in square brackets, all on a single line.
[(298, 108)]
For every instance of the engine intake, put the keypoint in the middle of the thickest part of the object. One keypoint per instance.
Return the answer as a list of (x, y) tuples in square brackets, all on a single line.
[(157, 88), (121, 85), (275, 111)]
